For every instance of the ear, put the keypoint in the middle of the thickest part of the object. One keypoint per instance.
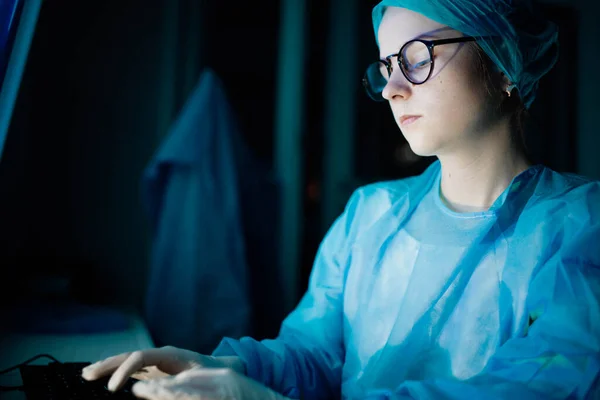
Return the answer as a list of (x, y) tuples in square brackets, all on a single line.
[(507, 85)]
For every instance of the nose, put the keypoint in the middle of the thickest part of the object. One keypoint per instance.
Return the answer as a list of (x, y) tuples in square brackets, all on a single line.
[(397, 86)]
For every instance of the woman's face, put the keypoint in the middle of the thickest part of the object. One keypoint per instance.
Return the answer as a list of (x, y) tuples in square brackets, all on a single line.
[(452, 105)]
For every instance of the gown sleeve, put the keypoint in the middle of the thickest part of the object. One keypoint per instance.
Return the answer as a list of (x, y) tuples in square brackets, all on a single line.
[(306, 359)]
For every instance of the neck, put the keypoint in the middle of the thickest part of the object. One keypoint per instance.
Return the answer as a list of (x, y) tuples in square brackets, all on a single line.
[(474, 178)]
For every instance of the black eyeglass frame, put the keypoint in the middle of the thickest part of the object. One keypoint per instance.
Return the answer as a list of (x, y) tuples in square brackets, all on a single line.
[(430, 46)]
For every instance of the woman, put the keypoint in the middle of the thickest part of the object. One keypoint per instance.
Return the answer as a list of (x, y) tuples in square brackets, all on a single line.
[(479, 278)]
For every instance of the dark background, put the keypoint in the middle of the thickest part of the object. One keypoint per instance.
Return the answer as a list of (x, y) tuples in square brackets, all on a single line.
[(105, 79)]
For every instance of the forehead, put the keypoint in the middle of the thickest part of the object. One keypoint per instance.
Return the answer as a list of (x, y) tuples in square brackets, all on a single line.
[(399, 25)]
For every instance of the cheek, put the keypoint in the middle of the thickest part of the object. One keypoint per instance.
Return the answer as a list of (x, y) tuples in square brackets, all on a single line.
[(455, 99)]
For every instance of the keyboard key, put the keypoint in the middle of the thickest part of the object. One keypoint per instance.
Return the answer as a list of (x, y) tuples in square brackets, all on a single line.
[(64, 382)]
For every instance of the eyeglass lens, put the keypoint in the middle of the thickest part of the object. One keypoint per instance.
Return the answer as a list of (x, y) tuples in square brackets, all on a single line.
[(415, 61)]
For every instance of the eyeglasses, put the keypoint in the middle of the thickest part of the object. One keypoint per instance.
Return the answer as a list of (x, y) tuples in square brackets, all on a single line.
[(415, 60)]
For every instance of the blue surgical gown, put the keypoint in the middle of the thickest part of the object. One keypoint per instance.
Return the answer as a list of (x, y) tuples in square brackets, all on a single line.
[(410, 300)]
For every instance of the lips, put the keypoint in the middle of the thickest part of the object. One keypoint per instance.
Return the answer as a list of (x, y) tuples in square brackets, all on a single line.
[(408, 119)]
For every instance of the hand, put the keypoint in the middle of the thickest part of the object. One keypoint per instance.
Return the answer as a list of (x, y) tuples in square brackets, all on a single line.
[(205, 384), (154, 364)]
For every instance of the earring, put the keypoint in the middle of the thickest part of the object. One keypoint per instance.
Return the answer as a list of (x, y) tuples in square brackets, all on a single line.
[(510, 88)]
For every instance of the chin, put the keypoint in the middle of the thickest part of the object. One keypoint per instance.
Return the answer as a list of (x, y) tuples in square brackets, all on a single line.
[(420, 145), (423, 152)]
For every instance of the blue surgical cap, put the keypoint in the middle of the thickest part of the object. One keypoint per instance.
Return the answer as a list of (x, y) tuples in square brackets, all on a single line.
[(516, 37)]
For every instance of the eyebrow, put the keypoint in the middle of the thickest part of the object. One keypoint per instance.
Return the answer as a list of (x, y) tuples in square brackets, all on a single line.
[(428, 36), (432, 35), (424, 37), (434, 32)]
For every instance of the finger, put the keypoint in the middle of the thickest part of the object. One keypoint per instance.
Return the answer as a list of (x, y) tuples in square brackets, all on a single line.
[(151, 391), (135, 362), (203, 381), (221, 383), (208, 373), (169, 389), (189, 380), (103, 367), (149, 373)]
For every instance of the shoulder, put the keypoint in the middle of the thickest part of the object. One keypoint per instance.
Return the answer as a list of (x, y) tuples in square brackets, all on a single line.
[(571, 205), (570, 196)]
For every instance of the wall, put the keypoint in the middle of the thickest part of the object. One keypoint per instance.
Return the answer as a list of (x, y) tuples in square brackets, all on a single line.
[(588, 81), (89, 116), (102, 85)]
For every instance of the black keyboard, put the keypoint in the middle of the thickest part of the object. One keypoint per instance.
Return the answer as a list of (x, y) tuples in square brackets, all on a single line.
[(63, 381)]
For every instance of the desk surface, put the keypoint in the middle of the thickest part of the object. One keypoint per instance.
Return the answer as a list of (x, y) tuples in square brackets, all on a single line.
[(16, 348)]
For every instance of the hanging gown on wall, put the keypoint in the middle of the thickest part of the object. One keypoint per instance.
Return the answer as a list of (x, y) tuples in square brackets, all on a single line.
[(198, 280)]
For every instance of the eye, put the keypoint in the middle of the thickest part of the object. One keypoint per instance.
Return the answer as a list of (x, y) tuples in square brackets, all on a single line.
[(415, 56), (383, 69), (422, 64)]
